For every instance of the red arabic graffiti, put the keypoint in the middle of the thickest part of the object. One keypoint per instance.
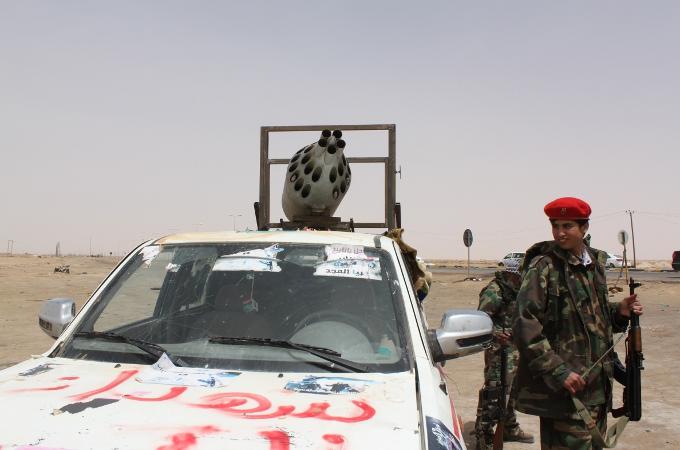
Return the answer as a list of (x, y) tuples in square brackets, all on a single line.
[(334, 438), (205, 429), (180, 441), (172, 393), (278, 440), (120, 379), (240, 404), (318, 410), (41, 389), (247, 406), (58, 387), (187, 439)]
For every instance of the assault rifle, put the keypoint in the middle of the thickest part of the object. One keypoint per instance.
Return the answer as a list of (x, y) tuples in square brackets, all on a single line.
[(502, 404), (632, 392)]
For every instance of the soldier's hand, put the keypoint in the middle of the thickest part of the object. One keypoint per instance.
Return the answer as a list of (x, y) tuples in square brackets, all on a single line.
[(629, 304), (503, 337), (574, 383)]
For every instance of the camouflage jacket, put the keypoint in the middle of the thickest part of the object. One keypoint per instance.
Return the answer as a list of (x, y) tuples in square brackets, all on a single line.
[(564, 324), (497, 299)]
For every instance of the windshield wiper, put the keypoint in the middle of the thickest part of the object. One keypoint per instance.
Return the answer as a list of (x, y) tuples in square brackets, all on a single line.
[(321, 352), (149, 347)]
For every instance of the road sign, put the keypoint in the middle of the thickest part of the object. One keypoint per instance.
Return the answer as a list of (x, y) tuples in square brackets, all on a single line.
[(467, 238), (623, 237)]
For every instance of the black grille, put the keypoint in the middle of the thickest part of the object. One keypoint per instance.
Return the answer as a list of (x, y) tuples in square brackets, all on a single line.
[(45, 325), (477, 340)]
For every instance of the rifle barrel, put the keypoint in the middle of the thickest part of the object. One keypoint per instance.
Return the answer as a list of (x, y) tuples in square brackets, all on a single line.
[(634, 359)]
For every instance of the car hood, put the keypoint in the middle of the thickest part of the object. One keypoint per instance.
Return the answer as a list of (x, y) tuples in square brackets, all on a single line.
[(68, 404)]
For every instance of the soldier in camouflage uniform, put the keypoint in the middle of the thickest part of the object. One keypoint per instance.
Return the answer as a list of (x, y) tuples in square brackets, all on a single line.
[(497, 299), (564, 326)]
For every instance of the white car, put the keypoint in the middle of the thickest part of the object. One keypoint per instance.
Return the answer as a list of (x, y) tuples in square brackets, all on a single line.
[(255, 340), (421, 260), (511, 261), (614, 261)]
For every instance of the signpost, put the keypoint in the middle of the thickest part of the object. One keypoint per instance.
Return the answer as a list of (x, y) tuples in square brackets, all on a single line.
[(623, 240), (467, 240)]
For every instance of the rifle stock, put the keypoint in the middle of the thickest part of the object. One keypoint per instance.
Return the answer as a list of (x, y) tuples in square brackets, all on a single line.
[(498, 437)]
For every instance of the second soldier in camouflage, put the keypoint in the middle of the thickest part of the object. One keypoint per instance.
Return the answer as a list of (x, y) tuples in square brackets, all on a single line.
[(498, 300)]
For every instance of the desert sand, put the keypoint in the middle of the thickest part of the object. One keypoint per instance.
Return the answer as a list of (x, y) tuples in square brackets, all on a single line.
[(653, 265), (26, 281)]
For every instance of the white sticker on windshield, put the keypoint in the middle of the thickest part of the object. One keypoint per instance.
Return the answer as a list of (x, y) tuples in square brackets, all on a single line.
[(149, 253), (340, 251), (350, 268), (258, 260), (164, 371)]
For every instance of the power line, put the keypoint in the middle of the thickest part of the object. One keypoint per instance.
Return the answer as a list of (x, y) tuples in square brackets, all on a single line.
[(656, 217), (494, 235), (675, 216), (602, 216)]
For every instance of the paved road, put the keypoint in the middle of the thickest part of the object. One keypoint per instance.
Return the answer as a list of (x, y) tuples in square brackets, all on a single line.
[(612, 275)]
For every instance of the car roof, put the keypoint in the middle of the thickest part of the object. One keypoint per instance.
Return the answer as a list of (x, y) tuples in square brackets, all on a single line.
[(307, 237)]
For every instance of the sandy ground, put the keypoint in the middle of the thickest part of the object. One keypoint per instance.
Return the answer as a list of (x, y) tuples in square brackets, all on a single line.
[(660, 423), (26, 281), (654, 265)]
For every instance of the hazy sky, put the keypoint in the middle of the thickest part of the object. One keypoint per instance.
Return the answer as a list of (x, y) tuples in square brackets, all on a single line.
[(128, 120)]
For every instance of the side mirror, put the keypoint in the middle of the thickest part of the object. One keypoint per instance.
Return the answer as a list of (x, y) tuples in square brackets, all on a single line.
[(55, 315), (462, 332)]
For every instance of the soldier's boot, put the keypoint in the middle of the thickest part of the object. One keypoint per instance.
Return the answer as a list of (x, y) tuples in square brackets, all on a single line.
[(517, 434), (513, 432)]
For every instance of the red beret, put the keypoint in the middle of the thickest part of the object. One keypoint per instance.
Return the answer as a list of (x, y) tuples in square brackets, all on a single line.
[(567, 208)]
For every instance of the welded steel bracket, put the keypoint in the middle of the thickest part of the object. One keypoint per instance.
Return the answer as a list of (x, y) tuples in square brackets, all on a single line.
[(392, 208)]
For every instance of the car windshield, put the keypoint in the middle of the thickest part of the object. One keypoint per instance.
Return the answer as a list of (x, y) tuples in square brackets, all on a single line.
[(344, 300)]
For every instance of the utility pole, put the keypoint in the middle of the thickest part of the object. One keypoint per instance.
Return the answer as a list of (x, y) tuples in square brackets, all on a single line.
[(632, 235)]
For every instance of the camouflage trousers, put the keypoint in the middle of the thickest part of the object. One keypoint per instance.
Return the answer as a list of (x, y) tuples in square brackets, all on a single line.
[(571, 433), (487, 407)]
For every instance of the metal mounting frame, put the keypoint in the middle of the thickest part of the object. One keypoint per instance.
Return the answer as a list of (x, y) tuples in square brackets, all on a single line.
[(392, 209)]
